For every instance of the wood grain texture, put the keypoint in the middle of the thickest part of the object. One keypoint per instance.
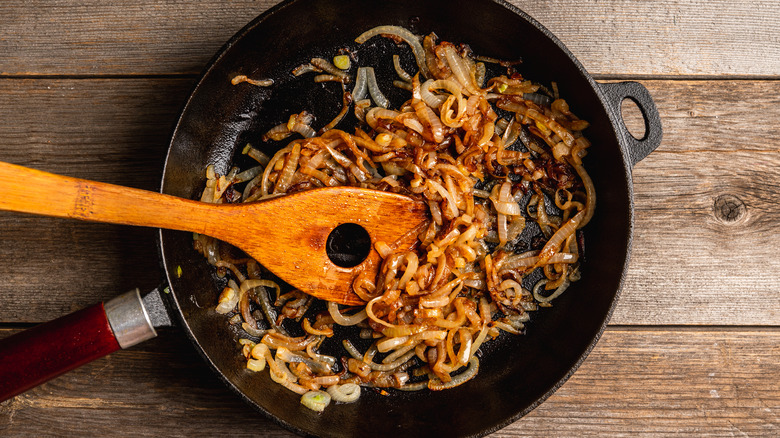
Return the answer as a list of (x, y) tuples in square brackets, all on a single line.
[(96, 37), (53, 266), (662, 382), (667, 38), (614, 37), (115, 131), (720, 116), (692, 263), (636, 382)]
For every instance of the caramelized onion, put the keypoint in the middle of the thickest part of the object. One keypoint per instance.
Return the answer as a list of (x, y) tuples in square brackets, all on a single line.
[(459, 69), (465, 376), (405, 35), (398, 69), (340, 319), (452, 145)]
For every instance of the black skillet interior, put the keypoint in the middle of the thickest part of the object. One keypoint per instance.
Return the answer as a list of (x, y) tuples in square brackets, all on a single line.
[(516, 373)]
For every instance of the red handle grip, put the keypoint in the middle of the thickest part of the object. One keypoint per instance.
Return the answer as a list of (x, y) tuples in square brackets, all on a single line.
[(43, 352)]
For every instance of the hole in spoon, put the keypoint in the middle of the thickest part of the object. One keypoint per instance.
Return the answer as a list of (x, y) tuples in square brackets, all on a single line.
[(348, 245)]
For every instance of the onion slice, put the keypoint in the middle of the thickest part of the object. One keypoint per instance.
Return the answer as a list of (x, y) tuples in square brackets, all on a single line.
[(398, 69), (361, 85), (373, 88), (408, 37), (256, 82), (346, 101), (554, 244), (316, 400), (465, 376), (340, 319), (346, 393), (325, 65), (459, 69)]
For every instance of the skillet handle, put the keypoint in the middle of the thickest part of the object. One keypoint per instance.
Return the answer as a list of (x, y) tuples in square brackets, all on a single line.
[(635, 148), (46, 351)]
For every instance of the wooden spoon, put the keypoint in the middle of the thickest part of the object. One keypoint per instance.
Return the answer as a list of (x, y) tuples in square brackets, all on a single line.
[(286, 234)]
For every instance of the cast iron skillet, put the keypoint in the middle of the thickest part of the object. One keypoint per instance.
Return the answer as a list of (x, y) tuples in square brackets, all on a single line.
[(516, 373)]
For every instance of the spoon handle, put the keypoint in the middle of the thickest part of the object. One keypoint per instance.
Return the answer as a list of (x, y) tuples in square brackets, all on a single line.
[(33, 191), (286, 234)]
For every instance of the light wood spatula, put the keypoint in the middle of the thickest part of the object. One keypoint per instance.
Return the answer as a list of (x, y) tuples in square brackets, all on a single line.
[(287, 234)]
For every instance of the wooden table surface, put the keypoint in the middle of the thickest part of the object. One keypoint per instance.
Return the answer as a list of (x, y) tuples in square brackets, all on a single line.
[(92, 88)]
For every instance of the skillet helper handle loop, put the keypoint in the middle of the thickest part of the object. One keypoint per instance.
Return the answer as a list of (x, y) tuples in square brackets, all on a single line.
[(39, 354), (635, 148)]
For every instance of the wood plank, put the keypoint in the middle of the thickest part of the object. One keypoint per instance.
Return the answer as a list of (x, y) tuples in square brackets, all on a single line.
[(116, 131), (97, 37), (663, 382), (108, 130), (52, 267), (611, 38), (705, 243), (667, 37), (636, 381), (695, 261), (723, 116), (113, 130)]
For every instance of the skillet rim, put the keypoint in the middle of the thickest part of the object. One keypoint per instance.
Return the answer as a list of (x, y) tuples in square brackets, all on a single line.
[(618, 134)]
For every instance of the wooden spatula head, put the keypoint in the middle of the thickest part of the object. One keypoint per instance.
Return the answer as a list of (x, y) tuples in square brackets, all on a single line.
[(289, 235)]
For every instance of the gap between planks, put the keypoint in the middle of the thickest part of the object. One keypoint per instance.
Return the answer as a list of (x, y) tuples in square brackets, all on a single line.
[(596, 77)]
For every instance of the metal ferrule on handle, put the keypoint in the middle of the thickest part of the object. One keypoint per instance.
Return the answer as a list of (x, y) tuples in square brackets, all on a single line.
[(129, 319)]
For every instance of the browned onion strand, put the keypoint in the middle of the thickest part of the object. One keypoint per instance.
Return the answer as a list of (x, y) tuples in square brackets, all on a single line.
[(495, 158), (258, 82)]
